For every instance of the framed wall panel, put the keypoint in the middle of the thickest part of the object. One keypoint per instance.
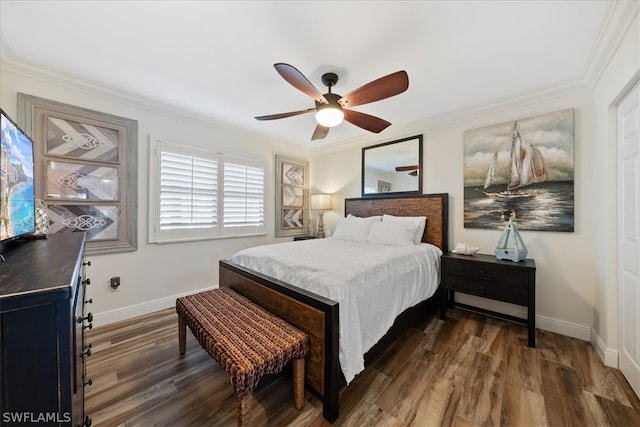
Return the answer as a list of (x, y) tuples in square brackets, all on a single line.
[(86, 170), (292, 210)]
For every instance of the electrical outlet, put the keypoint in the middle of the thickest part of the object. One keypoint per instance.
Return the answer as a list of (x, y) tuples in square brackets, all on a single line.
[(115, 282)]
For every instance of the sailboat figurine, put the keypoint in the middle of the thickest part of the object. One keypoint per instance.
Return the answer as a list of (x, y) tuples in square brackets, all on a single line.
[(527, 167)]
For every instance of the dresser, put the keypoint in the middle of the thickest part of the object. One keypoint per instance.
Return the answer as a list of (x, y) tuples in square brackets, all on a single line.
[(488, 277), (43, 318)]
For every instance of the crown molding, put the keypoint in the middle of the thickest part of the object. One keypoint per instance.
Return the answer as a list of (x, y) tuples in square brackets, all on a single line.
[(617, 23), (619, 20), (542, 94), (10, 63)]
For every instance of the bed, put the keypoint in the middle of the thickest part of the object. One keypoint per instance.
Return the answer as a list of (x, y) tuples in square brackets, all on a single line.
[(317, 315)]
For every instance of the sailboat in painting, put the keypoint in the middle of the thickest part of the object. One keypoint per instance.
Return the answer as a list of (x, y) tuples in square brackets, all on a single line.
[(527, 167)]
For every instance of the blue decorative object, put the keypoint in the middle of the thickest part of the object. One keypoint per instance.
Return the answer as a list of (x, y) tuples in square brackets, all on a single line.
[(511, 246)]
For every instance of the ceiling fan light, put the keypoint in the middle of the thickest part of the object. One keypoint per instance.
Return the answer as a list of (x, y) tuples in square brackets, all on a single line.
[(329, 116)]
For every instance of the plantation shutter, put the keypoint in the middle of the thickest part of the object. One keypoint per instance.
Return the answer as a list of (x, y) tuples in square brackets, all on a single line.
[(243, 196), (199, 194), (188, 192)]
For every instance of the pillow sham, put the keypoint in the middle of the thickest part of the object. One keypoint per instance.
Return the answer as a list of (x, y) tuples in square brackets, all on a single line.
[(391, 233), (354, 229), (371, 218), (419, 223)]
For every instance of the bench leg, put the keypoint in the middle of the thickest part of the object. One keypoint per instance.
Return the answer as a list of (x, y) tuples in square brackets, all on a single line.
[(244, 411), (298, 383), (182, 334)]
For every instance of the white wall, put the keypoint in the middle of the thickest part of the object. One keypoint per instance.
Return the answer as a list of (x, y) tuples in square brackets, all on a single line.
[(576, 274), (565, 261), (153, 275), (618, 78)]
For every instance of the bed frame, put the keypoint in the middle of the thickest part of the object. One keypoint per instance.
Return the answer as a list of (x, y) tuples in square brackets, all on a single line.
[(318, 316)]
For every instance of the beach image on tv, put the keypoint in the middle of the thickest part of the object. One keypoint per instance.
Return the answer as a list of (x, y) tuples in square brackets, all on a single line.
[(16, 182)]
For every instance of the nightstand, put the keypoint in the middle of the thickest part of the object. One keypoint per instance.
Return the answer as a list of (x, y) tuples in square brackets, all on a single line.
[(488, 277), (296, 238)]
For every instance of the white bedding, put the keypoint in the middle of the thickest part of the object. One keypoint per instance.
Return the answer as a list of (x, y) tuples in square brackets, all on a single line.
[(372, 283)]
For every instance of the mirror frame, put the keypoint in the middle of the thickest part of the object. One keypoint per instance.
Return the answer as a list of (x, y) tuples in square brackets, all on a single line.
[(418, 161)]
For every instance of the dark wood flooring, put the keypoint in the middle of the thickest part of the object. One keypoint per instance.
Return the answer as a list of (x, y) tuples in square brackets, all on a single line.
[(470, 370)]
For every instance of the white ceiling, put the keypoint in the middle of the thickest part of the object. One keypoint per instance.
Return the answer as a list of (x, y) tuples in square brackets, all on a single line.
[(215, 58)]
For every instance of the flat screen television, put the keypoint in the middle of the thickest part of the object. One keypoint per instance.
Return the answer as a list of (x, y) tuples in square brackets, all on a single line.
[(17, 192)]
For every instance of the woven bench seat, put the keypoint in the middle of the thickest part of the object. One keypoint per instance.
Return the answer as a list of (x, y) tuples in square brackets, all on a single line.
[(245, 339)]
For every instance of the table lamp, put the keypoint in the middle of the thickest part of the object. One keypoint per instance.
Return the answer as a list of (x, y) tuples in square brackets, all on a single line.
[(320, 202)]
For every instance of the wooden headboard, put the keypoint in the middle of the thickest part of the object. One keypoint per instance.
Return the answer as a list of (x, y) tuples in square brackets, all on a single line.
[(434, 206)]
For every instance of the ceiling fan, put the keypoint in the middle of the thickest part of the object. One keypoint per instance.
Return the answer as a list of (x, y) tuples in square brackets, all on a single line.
[(332, 108), (412, 169)]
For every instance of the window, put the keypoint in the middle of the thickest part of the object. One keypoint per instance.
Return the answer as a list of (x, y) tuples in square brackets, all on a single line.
[(199, 194)]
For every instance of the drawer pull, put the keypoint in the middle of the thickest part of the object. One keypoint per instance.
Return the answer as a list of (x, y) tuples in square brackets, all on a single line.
[(87, 352), (90, 382), (89, 326), (89, 318), (88, 263), (86, 282), (482, 272), (89, 301)]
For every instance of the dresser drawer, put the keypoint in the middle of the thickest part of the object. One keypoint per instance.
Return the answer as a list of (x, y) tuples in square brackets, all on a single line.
[(481, 288), (511, 277)]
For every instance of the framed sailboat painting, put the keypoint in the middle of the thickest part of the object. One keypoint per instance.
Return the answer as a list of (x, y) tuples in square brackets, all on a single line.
[(523, 167)]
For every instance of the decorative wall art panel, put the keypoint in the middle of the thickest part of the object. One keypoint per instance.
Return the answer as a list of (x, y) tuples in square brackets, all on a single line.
[(68, 138), (293, 174), (291, 196), (523, 168), (86, 162), (99, 222), (292, 219), (384, 186), (75, 181)]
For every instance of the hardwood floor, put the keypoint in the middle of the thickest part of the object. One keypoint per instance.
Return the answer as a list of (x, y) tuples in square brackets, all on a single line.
[(470, 370)]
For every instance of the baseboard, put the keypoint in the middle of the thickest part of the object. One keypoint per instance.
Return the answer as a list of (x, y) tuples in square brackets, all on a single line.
[(608, 356), (126, 313), (563, 327), (550, 324)]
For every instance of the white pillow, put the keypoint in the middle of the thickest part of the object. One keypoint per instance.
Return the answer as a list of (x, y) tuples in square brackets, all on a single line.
[(354, 229), (419, 222), (371, 218), (393, 233)]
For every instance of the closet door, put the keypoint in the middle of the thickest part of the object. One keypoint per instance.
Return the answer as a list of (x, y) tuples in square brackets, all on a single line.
[(629, 236)]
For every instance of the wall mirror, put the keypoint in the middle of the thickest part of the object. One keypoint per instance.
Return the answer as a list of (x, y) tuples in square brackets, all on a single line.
[(392, 168)]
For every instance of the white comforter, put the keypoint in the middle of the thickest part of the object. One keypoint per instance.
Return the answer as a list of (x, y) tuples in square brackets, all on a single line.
[(372, 283)]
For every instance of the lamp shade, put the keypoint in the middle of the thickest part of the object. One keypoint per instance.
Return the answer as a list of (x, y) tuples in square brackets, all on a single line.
[(321, 202), (329, 116)]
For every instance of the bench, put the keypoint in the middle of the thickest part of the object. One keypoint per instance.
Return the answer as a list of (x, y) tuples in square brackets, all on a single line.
[(246, 340)]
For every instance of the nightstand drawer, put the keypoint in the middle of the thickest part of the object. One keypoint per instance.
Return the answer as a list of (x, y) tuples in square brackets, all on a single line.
[(481, 288), (482, 271)]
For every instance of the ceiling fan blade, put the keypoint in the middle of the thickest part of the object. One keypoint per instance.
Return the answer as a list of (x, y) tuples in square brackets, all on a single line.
[(320, 132), (296, 79), (406, 168), (366, 121), (384, 87), (283, 115)]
